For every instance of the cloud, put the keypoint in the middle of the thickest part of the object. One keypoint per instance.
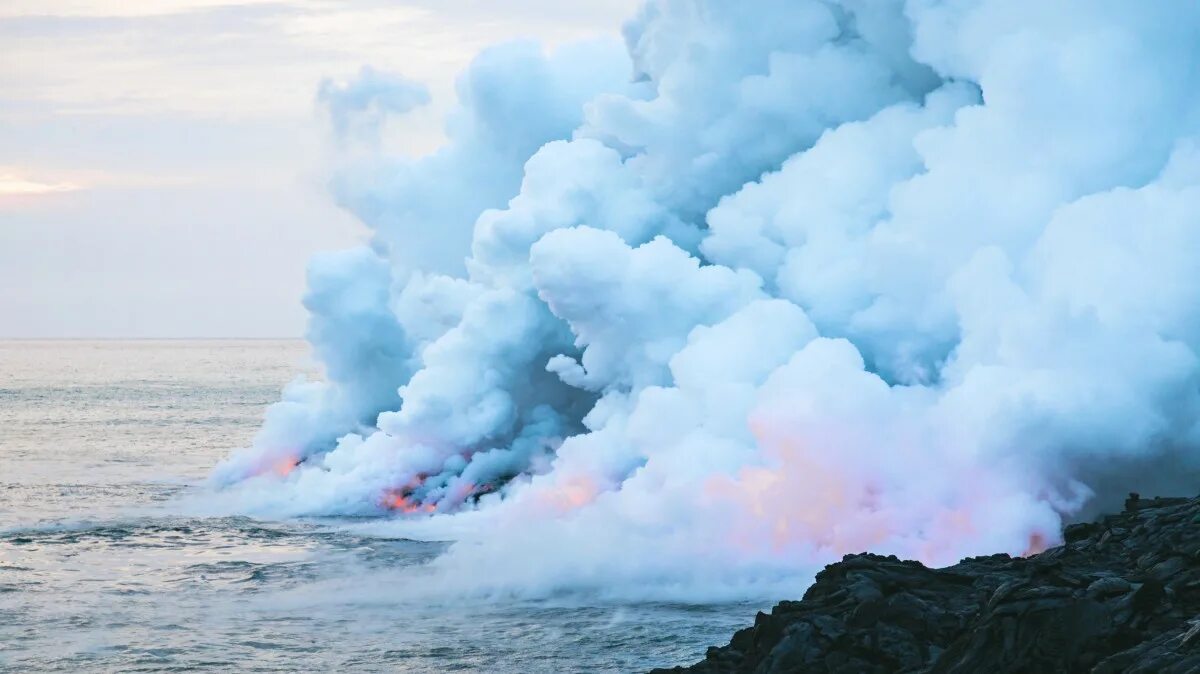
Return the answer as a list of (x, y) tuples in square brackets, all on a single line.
[(911, 276), (117, 8), (16, 184), (360, 106), (177, 56)]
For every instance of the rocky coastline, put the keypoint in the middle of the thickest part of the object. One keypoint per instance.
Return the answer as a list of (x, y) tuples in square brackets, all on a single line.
[(1122, 594)]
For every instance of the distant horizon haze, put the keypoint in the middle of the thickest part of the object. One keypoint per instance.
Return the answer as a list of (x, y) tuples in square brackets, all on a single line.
[(164, 164)]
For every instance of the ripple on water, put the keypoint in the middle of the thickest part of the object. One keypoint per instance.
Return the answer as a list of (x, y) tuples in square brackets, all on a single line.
[(95, 431), (193, 594)]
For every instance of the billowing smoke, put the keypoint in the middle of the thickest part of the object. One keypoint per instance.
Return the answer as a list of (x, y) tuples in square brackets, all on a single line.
[(778, 281), (360, 106)]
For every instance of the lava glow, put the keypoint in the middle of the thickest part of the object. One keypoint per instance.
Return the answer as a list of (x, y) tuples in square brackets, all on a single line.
[(572, 494), (279, 466), (1037, 545), (401, 503), (285, 466), (722, 322)]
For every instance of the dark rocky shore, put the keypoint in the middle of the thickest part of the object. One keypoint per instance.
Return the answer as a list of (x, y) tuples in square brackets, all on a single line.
[(1121, 594)]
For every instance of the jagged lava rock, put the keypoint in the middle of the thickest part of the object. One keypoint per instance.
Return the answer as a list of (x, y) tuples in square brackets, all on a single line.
[(1122, 594)]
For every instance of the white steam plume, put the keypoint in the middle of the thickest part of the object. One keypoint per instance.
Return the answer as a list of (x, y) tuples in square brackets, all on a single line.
[(360, 106), (820, 277)]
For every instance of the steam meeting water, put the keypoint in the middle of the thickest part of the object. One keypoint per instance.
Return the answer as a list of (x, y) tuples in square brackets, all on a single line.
[(104, 568)]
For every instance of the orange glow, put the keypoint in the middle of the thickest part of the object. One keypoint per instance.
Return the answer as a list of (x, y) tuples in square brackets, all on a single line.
[(1037, 544), (280, 467), (397, 501), (809, 500), (801, 501), (572, 494), (283, 467)]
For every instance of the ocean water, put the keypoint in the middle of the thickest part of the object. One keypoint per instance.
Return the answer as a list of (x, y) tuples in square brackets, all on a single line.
[(101, 569)]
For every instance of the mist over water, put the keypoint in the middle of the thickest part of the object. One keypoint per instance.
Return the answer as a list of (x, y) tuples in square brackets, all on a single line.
[(103, 569), (666, 325), (690, 316)]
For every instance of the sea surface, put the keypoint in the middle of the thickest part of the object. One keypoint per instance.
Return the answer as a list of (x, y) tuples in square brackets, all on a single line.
[(102, 569)]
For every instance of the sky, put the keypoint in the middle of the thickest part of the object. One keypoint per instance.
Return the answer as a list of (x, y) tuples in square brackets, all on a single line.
[(163, 163)]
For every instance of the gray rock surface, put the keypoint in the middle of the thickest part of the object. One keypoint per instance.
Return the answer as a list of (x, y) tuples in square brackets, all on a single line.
[(1122, 594)]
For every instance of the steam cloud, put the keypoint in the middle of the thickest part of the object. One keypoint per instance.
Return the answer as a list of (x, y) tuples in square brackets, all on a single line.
[(360, 106), (822, 276)]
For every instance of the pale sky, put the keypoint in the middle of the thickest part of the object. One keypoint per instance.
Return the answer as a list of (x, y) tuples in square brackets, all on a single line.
[(163, 164)]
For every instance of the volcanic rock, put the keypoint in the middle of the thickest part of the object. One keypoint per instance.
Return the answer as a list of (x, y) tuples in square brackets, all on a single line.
[(1122, 594)]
